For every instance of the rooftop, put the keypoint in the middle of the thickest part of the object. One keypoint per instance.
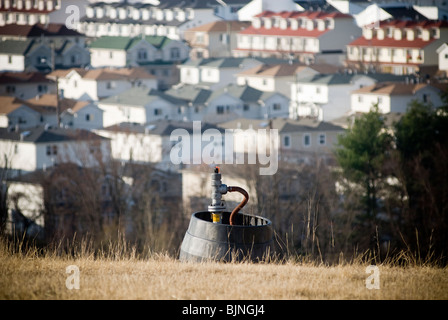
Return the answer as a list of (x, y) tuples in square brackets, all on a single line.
[(43, 135)]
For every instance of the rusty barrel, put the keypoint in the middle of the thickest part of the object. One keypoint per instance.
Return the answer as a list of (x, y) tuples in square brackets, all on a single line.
[(250, 238)]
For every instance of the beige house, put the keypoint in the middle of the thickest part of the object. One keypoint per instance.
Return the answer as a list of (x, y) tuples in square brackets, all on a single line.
[(214, 39), (399, 47)]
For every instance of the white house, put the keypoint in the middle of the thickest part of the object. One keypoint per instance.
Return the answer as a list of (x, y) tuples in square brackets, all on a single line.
[(157, 142), (395, 97), (30, 12), (325, 96), (140, 105), (31, 149), (17, 112), (25, 85), (215, 73), (96, 84), (158, 18), (159, 55), (128, 51), (27, 55), (442, 51), (73, 113), (39, 111), (230, 102), (298, 140), (234, 101)]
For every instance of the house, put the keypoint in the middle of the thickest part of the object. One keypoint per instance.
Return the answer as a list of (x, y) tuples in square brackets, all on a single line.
[(214, 73), (42, 110), (234, 101), (157, 54), (73, 113), (30, 149), (96, 84), (442, 52), (399, 47), (154, 142), (15, 112), (27, 55), (162, 18), (30, 12), (230, 102), (25, 85), (67, 46), (327, 96), (140, 105), (254, 7), (309, 36), (395, 97), (278, 77), (213, 40), (300, 141)]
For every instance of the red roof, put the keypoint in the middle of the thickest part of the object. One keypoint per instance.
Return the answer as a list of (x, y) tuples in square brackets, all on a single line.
[(425, 24), (274, 31), (307, 14), (390, 42)]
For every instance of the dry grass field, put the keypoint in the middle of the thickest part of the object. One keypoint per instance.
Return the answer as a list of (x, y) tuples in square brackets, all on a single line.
[(28, 275)]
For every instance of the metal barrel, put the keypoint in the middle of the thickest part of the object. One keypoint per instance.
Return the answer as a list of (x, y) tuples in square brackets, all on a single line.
[(251, 238)]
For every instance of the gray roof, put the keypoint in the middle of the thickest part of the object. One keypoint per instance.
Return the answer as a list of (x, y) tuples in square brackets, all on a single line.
[(342, 78), (21, 47), (41, 135), (159, 127), (191, 93), (141, 96), (230, 62), (245, 93), (198, 95), (283, 125)]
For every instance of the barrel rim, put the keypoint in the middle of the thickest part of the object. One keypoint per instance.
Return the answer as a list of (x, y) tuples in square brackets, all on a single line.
[(268, 222)]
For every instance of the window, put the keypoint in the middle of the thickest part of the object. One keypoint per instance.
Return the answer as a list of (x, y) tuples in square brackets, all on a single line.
[(277, 106), (322, 139), (111, 55), (9, 59), (89, 117), (307, 140), (41, 60), (10, 89), (42, 88), (287, 141), (246, 107), (360, 98), (223, 38), (52, 150), (142, 55), (157, 112), (220, 109), (317, 90), (175, 53)]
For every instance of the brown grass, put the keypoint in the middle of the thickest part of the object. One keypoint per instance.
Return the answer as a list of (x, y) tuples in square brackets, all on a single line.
[(30, 274)]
